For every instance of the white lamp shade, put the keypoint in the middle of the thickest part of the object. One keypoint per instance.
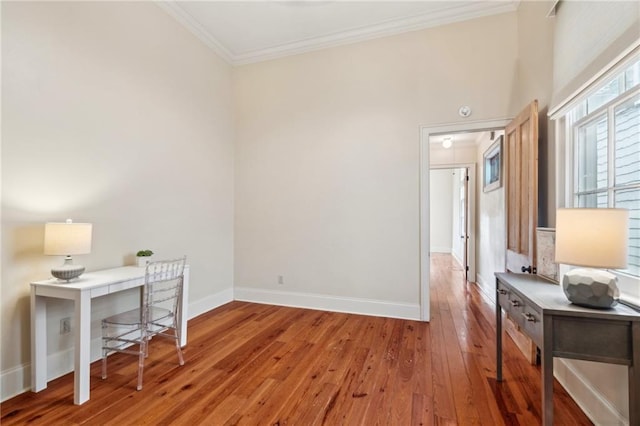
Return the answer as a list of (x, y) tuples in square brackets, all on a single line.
[(67, 238), (594, 238)]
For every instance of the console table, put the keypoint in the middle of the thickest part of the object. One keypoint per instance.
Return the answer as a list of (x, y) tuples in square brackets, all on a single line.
[(562, 329), (81, 291)]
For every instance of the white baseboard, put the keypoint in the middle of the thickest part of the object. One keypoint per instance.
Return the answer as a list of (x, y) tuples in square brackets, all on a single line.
[(487, 287), (456, 258), (481, 281), (440, 249), (210, 302), (14, 381), (17, 380), (599, 410), (350, 305)]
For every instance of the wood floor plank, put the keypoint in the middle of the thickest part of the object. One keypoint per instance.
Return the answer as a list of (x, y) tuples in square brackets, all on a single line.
[(254, 364)]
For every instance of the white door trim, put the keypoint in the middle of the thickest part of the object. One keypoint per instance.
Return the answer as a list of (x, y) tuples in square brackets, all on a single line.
[(425, 133)]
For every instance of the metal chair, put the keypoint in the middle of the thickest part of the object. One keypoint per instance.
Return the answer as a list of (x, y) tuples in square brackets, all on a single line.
[(157, 316)]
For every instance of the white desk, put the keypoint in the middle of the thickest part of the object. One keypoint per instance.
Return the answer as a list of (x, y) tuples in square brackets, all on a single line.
[(81, 291)]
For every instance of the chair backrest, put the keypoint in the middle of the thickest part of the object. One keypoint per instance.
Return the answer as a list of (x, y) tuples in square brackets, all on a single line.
[(163, 286)]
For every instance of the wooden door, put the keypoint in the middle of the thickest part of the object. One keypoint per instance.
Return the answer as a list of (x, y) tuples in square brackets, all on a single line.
[(521, 189)]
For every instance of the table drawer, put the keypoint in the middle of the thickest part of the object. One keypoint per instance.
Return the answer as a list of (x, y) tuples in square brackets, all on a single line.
[(503, 296), (607, 341), (532, 324), (516, 308)]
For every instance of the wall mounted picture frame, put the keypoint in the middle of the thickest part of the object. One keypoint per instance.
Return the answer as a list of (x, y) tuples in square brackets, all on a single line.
[(492, 168)]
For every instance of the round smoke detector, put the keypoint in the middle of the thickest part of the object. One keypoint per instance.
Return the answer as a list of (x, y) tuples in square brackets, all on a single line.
[(464, 111)]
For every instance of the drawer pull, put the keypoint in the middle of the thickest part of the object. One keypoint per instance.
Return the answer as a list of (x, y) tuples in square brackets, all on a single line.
[(529, 317), (515, 303), (502, 291)]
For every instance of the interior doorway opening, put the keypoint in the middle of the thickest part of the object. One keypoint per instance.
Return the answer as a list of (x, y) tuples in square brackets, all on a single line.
[(451, 213), (469, 156)]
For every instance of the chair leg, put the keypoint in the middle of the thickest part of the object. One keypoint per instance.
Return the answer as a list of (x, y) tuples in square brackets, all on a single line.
[(180, 357), (104, 363), (104, 353), (176, 333), (143, 351)]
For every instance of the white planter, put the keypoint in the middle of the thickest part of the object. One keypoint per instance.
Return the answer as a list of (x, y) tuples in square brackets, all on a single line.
[(141, 261)]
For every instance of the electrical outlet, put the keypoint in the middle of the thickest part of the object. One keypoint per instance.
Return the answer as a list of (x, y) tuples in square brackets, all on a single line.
[(280, 280), (65, 325)]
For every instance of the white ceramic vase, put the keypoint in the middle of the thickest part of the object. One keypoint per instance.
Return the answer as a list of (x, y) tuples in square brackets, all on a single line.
[(141, 261)]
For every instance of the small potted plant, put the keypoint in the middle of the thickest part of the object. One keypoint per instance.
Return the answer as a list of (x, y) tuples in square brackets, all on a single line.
[(143, 257)]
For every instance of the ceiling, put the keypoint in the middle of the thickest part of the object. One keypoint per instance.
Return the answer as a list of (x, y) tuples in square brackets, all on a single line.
[(243, 32), (458, 139)]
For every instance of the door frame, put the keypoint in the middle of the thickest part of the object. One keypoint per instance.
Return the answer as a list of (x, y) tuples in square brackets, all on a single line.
[(425, 256)]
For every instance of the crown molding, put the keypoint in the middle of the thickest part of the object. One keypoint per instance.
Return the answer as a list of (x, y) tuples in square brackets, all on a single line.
[(388, 28), (391, 27), (189, 22)]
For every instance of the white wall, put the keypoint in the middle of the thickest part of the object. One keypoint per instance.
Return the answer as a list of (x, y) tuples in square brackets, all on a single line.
[(114, 114), (441, 218), (587, 37), (491, 234), (327, 158)]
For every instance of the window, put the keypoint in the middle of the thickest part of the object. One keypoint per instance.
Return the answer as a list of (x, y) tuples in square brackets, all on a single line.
[(603, 136)]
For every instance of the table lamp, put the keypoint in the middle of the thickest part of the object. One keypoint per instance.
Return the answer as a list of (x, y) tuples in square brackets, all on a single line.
[(592, 238), (65, 239)]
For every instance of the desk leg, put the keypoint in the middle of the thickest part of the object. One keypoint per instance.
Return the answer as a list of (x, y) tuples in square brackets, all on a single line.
[(498, 337), (547, 371), (82, 349), (634, 375), (38, 342)]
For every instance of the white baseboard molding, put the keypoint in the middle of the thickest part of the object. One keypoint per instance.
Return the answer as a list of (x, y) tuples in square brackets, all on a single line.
[(456, 258), (487, 287), (210, 302), (17, 380), (323, 302), (599, 410), (481, 281), (440, 249), (14, 381)]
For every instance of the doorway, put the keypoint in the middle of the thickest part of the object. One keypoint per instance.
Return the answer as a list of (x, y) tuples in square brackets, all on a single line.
[(426, 133), (451, 215)]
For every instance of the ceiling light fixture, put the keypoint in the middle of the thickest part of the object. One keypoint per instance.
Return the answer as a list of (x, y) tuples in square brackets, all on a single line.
[(447, 142)]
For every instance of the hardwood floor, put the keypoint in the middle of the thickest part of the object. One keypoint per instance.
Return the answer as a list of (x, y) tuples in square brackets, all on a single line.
[(259, 364)]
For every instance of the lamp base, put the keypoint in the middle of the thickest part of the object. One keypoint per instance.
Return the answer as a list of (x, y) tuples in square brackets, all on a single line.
[(68, 270), (593, 288)]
